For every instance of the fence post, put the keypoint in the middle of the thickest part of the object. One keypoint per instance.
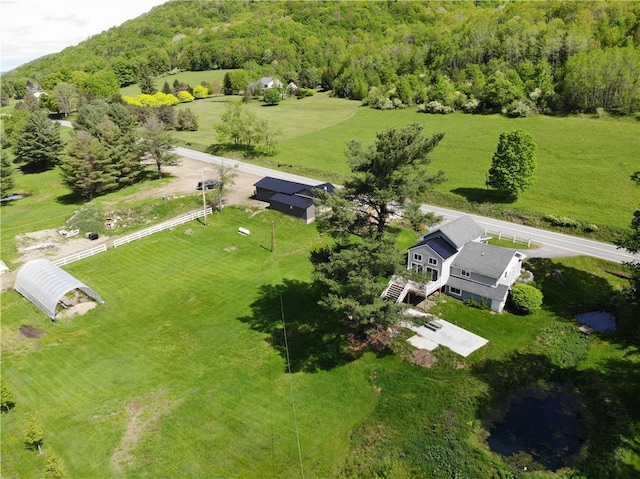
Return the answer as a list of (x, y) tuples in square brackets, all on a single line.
[(499, 234)]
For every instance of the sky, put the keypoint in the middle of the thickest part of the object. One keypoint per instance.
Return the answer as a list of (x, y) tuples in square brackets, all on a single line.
[(30, 29)]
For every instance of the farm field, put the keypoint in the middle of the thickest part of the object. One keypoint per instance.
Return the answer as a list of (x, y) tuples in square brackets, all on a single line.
[(584, 162), (183, 371)]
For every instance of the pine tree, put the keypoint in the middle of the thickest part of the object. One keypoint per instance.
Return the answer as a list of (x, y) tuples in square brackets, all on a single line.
[(33, 433), (6, 176), (39, 144), (7, 400), (227, 84), (53, 467)]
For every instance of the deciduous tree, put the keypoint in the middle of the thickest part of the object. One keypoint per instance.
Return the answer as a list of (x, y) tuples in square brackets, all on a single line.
[(272, 96), (66, 97), (158, 144), (39, 144), (514, 164)]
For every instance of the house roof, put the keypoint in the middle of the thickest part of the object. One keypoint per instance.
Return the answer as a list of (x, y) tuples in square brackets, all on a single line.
[(440, 246), (280, 186), (291, 200), (484, 259), (290, 187), (456, 234), (461, 230), (498, 293)]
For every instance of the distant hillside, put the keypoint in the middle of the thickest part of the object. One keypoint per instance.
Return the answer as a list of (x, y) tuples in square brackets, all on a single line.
[(546, 55)]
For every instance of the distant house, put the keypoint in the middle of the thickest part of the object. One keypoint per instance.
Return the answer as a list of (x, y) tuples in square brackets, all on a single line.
[(289, 197), (455, 259), (270, 82)]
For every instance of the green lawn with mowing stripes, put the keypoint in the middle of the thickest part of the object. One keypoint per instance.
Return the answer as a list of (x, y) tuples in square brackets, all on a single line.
[(188, 340)]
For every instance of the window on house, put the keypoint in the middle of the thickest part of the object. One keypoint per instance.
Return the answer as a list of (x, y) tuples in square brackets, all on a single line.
[(417, 257), (464, 272), (455, 291), (433, 261)]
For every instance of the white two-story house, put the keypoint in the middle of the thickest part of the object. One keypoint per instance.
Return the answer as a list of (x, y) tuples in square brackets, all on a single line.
[(456, 261)]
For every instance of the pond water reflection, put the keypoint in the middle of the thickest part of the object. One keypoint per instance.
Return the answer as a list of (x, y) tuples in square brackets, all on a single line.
[(598, 320), (542, 423)]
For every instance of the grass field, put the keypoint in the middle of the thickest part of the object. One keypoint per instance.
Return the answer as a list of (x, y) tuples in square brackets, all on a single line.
[(183, 371), (584, 163), (186, 362)]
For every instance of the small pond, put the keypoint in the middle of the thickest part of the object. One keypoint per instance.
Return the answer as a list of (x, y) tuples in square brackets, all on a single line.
[(598, 320), (542, 423)]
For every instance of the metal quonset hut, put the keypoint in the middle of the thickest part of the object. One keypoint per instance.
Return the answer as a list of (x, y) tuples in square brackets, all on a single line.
[(44, 284)]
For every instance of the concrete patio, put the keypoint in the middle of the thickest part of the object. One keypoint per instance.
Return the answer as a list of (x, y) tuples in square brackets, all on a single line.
[(443, 333)]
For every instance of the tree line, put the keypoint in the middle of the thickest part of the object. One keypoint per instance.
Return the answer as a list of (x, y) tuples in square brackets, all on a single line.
[(513, 57)]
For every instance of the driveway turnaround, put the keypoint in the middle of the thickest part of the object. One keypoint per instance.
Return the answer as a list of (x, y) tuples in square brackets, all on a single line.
[(443, 333)]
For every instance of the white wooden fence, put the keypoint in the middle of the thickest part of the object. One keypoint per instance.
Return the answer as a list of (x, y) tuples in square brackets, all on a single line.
[(132, 237), (513, 238), (81, 255), (160, 227)]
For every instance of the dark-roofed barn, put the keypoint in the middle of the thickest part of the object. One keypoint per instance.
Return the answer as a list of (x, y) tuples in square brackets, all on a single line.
[(290, 197)]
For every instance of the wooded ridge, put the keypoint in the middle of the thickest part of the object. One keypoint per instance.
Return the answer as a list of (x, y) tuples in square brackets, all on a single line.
[(515, 57)]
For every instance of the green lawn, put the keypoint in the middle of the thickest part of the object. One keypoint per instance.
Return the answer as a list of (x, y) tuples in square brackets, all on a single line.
[(188, 336), (188, 355)]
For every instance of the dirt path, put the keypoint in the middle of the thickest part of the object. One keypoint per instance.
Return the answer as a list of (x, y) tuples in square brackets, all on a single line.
[(48, 244)]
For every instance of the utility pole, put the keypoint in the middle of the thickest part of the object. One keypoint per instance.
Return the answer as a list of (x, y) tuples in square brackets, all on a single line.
[(273, 236), (204, 200)]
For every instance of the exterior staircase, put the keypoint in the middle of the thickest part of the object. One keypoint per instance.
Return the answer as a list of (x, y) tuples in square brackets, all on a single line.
[(397, 288)]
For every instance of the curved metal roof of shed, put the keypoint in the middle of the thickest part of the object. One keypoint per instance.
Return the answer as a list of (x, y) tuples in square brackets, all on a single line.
[(44, 284)]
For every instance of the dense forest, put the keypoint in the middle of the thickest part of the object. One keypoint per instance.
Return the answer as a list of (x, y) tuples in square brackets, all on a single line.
[(518, 58)]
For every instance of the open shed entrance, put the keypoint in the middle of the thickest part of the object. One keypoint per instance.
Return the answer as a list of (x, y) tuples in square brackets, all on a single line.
[(45, 285)]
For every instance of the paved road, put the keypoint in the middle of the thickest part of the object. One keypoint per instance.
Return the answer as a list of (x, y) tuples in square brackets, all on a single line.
[(552, 244)]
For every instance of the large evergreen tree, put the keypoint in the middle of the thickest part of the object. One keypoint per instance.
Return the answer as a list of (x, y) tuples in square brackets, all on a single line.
[(514, 164), (6, 175), (392, 171), (87, 168), (39, 144), (631, 242)]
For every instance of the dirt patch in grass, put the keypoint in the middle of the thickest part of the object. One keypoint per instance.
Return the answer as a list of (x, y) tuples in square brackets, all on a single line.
[(143, 416), (31, 332), (423, 357)]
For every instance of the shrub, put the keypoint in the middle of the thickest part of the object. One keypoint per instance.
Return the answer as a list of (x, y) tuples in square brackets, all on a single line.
[(304, 92), (187, 120), (525, 299), (519, 109), (185, 97), (200, 91), (483, 305), (272, 96), (435, 107)]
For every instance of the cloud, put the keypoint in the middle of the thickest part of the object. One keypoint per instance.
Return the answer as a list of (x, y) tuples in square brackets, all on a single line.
[(30, 29)]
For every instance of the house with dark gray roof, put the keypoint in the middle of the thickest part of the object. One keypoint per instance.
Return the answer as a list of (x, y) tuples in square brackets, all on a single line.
[(290, 197), (456, 260)]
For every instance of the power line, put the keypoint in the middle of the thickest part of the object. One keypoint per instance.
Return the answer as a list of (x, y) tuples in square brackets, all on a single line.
[(286, 347)]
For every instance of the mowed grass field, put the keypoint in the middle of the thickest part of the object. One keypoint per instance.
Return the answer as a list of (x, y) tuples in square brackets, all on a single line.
[(186, 352), (183, 371), (584, 162)]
